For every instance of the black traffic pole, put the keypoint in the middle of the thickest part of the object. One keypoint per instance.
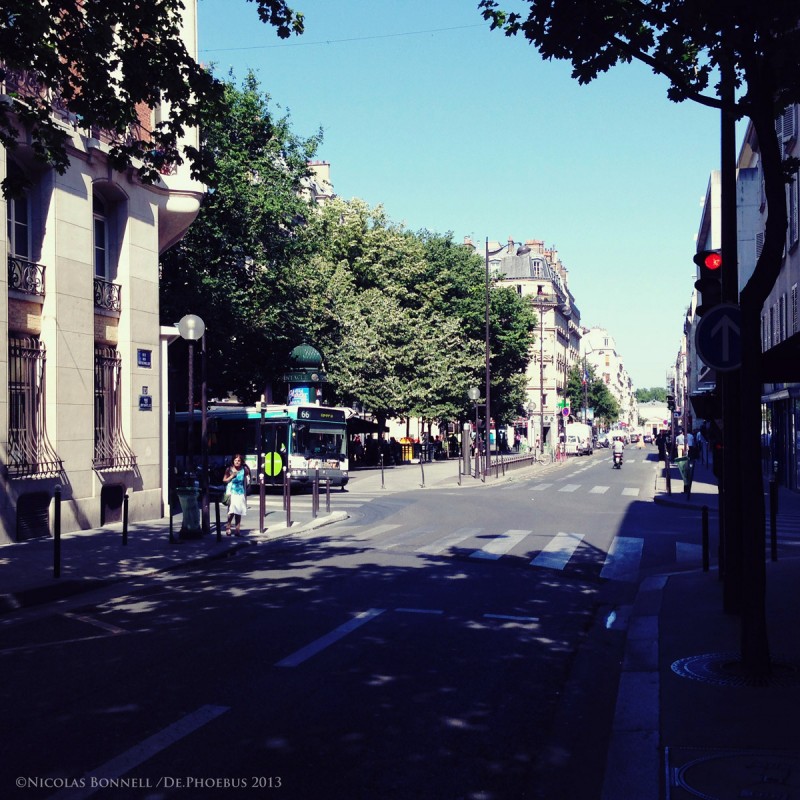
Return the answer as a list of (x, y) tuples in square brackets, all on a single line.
[(57, 532), (125, 519)]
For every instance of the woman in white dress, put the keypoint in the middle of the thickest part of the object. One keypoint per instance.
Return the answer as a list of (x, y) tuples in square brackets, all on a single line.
[(236, 478)]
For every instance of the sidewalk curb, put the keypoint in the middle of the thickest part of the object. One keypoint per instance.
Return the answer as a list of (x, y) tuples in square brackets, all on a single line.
[(70, 587)]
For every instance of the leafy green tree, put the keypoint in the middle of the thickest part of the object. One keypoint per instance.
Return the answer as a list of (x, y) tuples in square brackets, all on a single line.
[(377, 318), (739, 57), (655, 394), (598, 396), (233, 267), (512, 322), (455, 284), (100, 59)]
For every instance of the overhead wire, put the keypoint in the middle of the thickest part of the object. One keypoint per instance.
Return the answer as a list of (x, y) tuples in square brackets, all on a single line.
[(338, 41)]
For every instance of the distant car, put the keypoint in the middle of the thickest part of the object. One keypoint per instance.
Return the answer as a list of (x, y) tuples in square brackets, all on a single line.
[(634, 437), (648, 438)]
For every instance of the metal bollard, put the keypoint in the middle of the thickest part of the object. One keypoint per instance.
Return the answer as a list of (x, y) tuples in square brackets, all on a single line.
[(172, 539), (125, 519), (773, 518), (262, 502), (422, 470), (328, 495), (219, 524), (287, 497), (705, 539), (383, 485), (667, 476), (315, 495), (57, 532)]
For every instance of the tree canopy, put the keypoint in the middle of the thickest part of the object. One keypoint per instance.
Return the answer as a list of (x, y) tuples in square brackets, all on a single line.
[(596, 393), (98, 61), (695, 45), (234, 266)]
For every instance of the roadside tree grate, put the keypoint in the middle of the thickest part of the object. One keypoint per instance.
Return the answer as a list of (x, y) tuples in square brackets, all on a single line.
[(726, 669)]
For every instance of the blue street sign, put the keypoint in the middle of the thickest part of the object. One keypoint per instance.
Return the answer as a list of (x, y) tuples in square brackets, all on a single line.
[(718, 337)]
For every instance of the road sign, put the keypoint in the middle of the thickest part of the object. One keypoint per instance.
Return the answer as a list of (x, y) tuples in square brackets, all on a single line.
[(566, 411), (718, 337)]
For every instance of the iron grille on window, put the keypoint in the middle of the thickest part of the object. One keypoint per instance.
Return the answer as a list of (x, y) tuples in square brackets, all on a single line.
[(111, 451), (30, 454)]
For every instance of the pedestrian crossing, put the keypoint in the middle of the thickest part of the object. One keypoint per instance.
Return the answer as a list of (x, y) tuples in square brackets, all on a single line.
[(577, 488), (561, 551)]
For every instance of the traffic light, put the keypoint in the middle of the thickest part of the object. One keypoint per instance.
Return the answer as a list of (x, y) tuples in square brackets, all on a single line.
[(710, 282), (670, 402)]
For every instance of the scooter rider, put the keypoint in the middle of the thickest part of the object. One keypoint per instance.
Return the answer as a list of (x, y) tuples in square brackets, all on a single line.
[(617, 448)]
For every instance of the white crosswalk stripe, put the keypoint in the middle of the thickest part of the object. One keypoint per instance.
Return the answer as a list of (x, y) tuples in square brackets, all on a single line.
[(540, 487), (558, 551), (623, 558), (500, 545), (599, 489), (630, 492), (570, 487), (444, 543)]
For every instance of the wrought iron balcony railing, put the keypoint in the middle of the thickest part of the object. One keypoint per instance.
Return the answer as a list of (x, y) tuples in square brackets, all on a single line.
[(107, 295), (25, 276)]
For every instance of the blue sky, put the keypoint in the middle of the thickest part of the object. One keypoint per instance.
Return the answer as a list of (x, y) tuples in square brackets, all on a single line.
[(452, 127)]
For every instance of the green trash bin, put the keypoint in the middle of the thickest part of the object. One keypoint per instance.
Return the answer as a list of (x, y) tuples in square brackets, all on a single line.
[(686, 468)]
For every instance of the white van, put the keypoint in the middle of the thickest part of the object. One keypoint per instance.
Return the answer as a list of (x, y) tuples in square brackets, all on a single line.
[(578, 439)]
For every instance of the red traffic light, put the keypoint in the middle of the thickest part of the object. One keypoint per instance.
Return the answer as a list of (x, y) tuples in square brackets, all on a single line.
[(708, 259)]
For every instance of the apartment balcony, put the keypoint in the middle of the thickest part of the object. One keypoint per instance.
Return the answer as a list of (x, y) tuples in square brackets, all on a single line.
[(107, 295), (26, 276)]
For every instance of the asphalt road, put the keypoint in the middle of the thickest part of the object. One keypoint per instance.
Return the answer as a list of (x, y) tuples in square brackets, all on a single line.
[(460, 643)]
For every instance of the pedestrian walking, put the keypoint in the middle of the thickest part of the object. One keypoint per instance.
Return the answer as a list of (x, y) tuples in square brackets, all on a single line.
[(236, 480)]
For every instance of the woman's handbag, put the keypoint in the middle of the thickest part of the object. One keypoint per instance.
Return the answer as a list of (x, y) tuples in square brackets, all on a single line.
[(226, 497)]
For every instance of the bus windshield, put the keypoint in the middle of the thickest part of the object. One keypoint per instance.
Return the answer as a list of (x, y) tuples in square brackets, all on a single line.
[(313, 440)]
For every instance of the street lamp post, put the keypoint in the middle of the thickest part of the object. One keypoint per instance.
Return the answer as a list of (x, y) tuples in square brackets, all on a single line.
[(192, 328), (522, 250), (474, 394), (540, 304)]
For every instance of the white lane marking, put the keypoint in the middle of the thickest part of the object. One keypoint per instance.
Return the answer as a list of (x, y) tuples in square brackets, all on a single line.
[(558, 551), (599, 489), (96, 622), (570, 487), (540, 487), (500, 545), (304, 653), (409, 536), (629, 492), (511, 617), (419, 610), (688, 552), (623, 557), (443, 543), (143, 751)]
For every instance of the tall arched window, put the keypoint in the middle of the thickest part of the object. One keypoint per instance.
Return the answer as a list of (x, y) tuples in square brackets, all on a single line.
[(101, 243), (18, 216)]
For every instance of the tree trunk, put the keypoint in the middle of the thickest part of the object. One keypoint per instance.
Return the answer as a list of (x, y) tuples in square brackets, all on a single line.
[(754, 640)]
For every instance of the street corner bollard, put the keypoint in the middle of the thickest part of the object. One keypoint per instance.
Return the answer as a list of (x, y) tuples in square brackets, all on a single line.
[(125, 519), (57, 532), (219, 523), (328, 495), (773, 518), (422, 471)]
